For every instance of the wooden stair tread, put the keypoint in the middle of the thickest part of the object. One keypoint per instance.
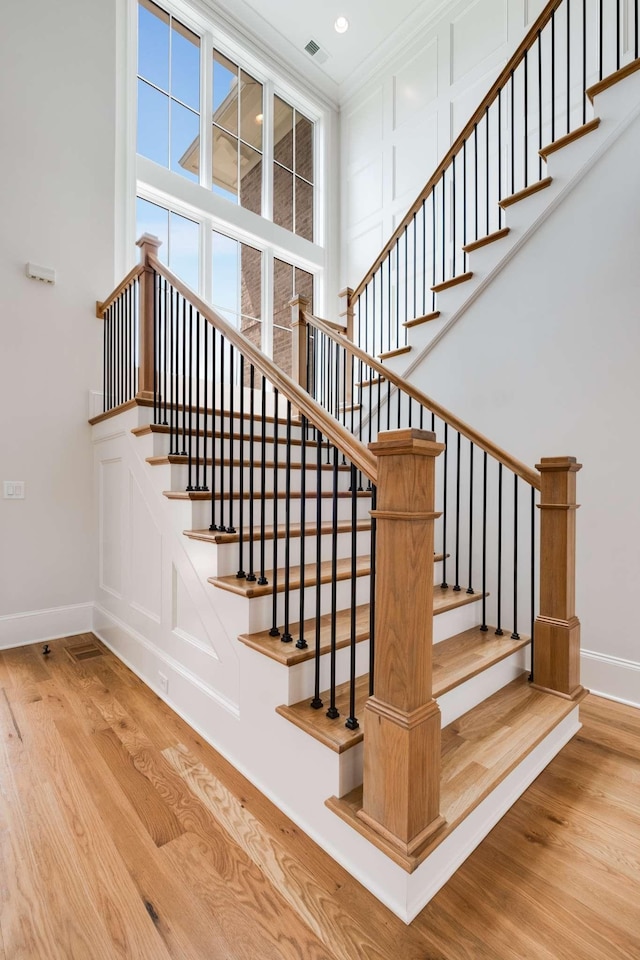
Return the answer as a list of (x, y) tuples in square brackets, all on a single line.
[(455, 660), (569, 138), (288, 654), (163, 428), (396, 352), (479, 750), (251, 590), (453, 282), (370, 383), (527, 192), (612, 79), (483, 241), (295, 495), (418, 320), (180, 459), (220, 536)]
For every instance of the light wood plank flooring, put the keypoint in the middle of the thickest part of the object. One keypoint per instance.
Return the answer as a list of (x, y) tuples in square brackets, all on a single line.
[(123, 835)]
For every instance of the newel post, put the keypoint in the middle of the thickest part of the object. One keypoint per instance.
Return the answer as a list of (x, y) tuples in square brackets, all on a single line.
[(148, 245), (556, 658), (299, 341), (401, 792)]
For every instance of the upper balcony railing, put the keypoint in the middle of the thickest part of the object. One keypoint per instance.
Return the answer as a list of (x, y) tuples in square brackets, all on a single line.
[(542, 95)]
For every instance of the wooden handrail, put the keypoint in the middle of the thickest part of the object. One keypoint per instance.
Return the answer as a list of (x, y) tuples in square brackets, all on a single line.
[(349, 445), (134, 273), (528, 474), (466, 132)]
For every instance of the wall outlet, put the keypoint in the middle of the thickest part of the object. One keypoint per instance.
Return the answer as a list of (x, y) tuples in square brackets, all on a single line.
[(163, 682), (14, 489)]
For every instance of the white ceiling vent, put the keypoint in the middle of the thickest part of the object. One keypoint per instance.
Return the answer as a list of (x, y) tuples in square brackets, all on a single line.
[(314, 50)]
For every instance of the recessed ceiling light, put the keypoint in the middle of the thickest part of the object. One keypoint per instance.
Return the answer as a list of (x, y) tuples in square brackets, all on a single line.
[(341, 25)]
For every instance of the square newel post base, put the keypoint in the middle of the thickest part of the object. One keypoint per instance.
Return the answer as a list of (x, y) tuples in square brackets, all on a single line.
[(401, 790), (556, 664), (144, 395)]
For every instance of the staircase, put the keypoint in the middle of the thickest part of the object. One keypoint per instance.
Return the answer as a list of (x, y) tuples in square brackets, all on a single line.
[(367, 605)]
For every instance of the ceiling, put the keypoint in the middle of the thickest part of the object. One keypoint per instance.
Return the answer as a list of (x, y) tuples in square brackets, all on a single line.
[(286, 26)]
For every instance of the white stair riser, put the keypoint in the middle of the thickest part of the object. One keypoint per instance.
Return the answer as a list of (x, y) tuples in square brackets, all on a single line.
[(225, 557), (260, 608), (196, 514), (302, 675), (176, 477)]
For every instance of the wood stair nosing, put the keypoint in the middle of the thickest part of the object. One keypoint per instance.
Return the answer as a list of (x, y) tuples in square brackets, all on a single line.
[(452, 282), (209, 411), (164, 429), (396, 352), (526, 192), (455, 660), (252, 590), (612, 79), (364, 384), (295, 531), (484, 241), (418, 320), (287, 654), (197, 495), (523, 715), (569, 138), (179, 459)]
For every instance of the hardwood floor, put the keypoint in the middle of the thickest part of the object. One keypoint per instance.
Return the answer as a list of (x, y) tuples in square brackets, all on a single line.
[(122, 834)]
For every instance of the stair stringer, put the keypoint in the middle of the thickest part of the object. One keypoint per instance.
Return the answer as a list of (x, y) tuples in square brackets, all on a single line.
[(618, 108)]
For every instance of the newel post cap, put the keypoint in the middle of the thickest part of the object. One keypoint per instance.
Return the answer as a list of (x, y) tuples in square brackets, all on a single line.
[(299, 301), (149, 240), (558, 465), (421, 443)]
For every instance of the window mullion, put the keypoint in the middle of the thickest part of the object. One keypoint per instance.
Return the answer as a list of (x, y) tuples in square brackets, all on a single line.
[(267, 150), (206, 110), (267, 301)]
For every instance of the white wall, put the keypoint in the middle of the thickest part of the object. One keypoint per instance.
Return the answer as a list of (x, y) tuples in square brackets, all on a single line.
[(397, 126), (57, 74), (545, 362)]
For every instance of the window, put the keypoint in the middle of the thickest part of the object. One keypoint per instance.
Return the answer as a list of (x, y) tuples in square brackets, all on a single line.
[(237, 134), (237, 285), (292, 170), (168, 91), (180, 239), (208, 113), (288, 282)]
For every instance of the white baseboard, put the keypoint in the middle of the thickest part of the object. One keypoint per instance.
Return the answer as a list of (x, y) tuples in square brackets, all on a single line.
[(38, 626), (611, 677)]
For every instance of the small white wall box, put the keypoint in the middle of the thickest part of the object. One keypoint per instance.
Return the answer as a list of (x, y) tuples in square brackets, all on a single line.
[(46, 274), (13, 489)]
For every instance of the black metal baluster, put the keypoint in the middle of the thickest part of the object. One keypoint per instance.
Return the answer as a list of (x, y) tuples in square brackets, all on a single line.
[(525, 113), (372, 592), (184, 377), (515, 635), (105, 353), (241, 571), (584, 60), (458, 465), (262, 580), (513, 137), (251, 577), (553, 77), (222, 427), (406, 284), (352, 723), (190, 452), (433, 246), (540, 103), (484, 627), (487, 170), (453, 219), (317, 703), (389, 302), (156, 345), (333, 712), (286, 636), (274, 632), (232, 430), (444, 583), (617, 32), (197, 411), (301, 643), (205, 418), (499, 631), (471, 451), (464, 204), (443, 227), (569, 58), (173, 449), (415, 275), (163, 348), (533, 577), (499, 158), (600, 38), (475, 178)]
